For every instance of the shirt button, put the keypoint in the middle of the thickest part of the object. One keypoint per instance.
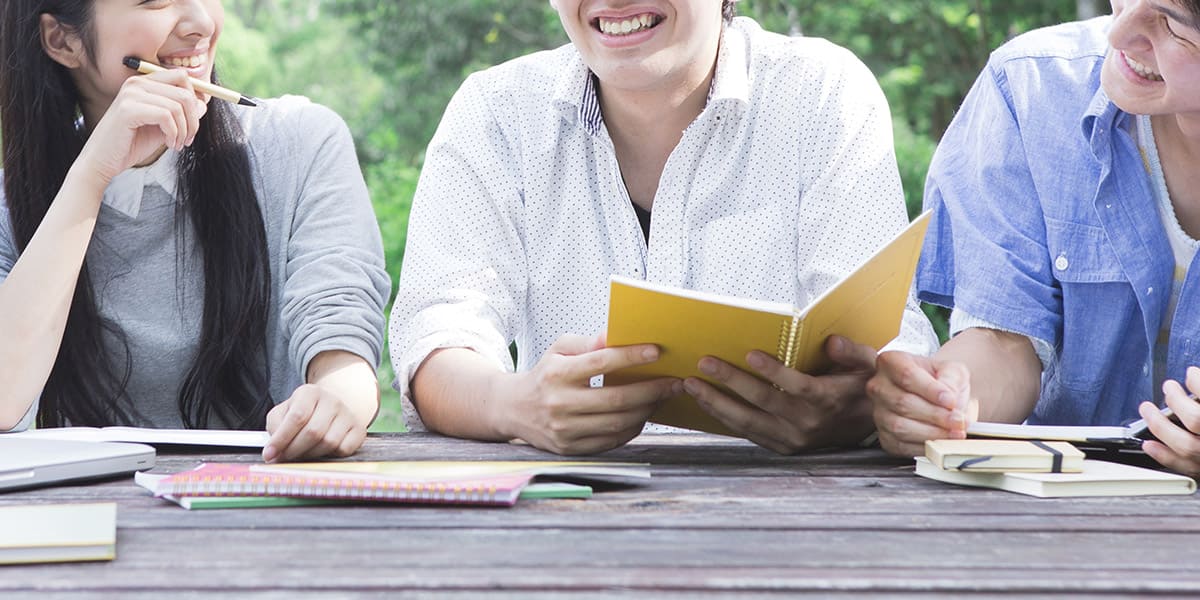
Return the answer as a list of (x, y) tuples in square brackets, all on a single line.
[(1149, 291), (1145, 369), (1061, 263)]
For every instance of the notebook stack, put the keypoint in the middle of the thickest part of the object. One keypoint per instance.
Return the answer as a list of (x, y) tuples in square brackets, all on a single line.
[(1042, 469), (491, 483)]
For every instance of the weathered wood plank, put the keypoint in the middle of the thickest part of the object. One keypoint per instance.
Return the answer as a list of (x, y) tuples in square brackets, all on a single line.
[(720, 516)]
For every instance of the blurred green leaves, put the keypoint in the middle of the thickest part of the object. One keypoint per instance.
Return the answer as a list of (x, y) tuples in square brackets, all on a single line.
[(389, 67)]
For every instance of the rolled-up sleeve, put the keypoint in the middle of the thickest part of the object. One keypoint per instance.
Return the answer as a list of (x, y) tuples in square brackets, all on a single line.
[(985, 253), (464, 279), (336, 285)]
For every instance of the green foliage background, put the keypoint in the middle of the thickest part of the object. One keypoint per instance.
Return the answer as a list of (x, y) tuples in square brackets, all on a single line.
[(390, 66)]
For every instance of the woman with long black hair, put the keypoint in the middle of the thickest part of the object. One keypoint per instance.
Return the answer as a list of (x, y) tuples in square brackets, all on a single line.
[(172, 260)]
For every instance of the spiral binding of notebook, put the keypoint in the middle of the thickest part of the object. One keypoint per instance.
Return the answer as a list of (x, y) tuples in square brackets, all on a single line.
[(788, 350), (220, 479)]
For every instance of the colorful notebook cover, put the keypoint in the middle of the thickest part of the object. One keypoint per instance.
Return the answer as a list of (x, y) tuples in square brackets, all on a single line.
[(222, 479), (550, 490), (452, 470)]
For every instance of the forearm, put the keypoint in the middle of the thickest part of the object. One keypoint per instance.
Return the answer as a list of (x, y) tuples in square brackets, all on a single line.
[(1005, 372), (350, 378), (459, 392), (35, 298)]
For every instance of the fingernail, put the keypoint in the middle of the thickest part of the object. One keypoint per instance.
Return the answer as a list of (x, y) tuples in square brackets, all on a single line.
[(708, 366), (837, 344), (958, 420), (756, 360), (677, 388), (947, 400), (650, 353), (691, 386), (269, 453)]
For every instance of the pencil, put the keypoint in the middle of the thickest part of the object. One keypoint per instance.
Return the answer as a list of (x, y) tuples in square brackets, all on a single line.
[(211, 89)]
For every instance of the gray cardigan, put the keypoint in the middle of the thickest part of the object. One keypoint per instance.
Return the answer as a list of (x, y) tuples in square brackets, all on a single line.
[(328, 283)]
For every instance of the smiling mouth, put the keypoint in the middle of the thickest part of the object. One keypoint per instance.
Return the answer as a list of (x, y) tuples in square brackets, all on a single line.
[(1140, 69), (186, 62), (626, 25)]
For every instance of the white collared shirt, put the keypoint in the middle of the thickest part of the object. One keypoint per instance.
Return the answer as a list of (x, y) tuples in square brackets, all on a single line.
[(784, 183)]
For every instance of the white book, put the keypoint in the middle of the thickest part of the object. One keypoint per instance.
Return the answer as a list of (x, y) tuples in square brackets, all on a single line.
[(1119, 436), (1098, 478), (154, 437), (46, 533)]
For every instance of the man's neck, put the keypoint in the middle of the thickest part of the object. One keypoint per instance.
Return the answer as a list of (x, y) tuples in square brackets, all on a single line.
[(1178, 135), (1178, 140), (655, 118)]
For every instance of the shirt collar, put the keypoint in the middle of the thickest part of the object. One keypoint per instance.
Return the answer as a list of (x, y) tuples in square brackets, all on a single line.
[(575, 92), (124, 192), (1101, 118)]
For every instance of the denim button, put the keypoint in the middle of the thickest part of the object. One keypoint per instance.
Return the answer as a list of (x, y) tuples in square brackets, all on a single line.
[(1061, 263)]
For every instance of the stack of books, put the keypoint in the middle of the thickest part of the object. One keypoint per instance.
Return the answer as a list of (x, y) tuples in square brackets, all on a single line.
[(1042, 469), (492, 483)]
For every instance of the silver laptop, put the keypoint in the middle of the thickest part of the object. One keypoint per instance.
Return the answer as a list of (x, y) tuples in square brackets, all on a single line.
[(27, 462)]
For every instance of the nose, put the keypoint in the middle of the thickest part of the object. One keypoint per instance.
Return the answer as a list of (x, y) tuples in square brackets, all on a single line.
[(1131, 20), (197, 19)]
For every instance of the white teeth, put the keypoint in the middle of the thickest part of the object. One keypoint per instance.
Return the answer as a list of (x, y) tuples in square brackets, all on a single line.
[(190, 62), (1142, 70), (627, 26)]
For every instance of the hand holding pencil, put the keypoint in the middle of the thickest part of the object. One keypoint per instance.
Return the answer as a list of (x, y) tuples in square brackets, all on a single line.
[(211, 89)]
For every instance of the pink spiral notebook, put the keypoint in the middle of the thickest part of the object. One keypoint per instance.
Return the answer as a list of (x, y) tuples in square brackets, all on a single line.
[(221, 479)]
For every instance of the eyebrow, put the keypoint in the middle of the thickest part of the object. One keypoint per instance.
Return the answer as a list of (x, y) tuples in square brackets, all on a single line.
[(1188, 18)]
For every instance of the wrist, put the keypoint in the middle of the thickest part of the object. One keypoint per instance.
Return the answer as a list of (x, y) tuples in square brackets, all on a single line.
[(504, 390), (86, 179)]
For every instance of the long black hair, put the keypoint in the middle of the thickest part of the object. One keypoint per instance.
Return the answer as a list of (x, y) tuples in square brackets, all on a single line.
[(39, 126)]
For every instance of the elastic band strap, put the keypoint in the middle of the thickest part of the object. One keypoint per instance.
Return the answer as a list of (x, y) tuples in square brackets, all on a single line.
[(1056, 465)]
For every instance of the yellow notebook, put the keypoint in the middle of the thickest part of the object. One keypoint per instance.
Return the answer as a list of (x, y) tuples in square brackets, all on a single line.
[(49, 533), (866, 306)]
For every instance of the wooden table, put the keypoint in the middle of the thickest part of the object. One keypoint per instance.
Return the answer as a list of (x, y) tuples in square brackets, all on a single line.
[(720, 516)]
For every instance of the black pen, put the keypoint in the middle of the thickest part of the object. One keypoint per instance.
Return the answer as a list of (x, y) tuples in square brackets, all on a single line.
[(213, 90)]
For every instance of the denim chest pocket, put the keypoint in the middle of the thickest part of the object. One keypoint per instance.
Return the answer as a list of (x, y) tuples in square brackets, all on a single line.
[(1100, 312), (1081, 253)]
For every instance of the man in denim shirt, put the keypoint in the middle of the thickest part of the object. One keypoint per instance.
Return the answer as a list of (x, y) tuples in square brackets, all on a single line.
[(1066, 212)]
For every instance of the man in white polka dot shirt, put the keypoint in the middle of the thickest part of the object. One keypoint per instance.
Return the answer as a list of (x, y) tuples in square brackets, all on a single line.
[(766, 163)]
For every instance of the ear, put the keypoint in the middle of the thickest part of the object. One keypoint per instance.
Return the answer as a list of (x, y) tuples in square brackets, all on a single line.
[(61, 43)]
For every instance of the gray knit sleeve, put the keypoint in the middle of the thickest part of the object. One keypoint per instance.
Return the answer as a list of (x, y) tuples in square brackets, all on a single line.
[(335, 286)]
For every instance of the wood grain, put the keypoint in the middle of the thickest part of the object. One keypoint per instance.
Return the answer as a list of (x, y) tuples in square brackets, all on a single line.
[(719, 516)]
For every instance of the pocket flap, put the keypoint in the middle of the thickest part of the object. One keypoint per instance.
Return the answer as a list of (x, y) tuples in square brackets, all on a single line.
[(1081, 253)]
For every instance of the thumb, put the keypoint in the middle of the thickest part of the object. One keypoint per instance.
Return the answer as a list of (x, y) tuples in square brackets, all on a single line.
[(957, 377)]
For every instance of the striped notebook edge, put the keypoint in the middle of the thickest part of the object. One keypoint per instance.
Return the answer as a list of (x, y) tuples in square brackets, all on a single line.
[(227, 479)]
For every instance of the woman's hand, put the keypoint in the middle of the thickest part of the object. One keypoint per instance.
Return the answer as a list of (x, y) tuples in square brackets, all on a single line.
[(1178, 445), (328, 416), (149, 113)]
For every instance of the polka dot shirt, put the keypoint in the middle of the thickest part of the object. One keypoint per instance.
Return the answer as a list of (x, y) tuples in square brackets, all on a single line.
[(785, 182)]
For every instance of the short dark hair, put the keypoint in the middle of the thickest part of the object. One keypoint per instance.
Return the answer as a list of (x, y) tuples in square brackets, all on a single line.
[(728, 9)]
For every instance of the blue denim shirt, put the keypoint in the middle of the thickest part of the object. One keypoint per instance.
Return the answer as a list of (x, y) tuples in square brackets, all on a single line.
[(1045, 223)]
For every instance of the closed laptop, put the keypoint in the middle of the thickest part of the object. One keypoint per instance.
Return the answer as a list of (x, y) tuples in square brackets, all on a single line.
[(26, 463)]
